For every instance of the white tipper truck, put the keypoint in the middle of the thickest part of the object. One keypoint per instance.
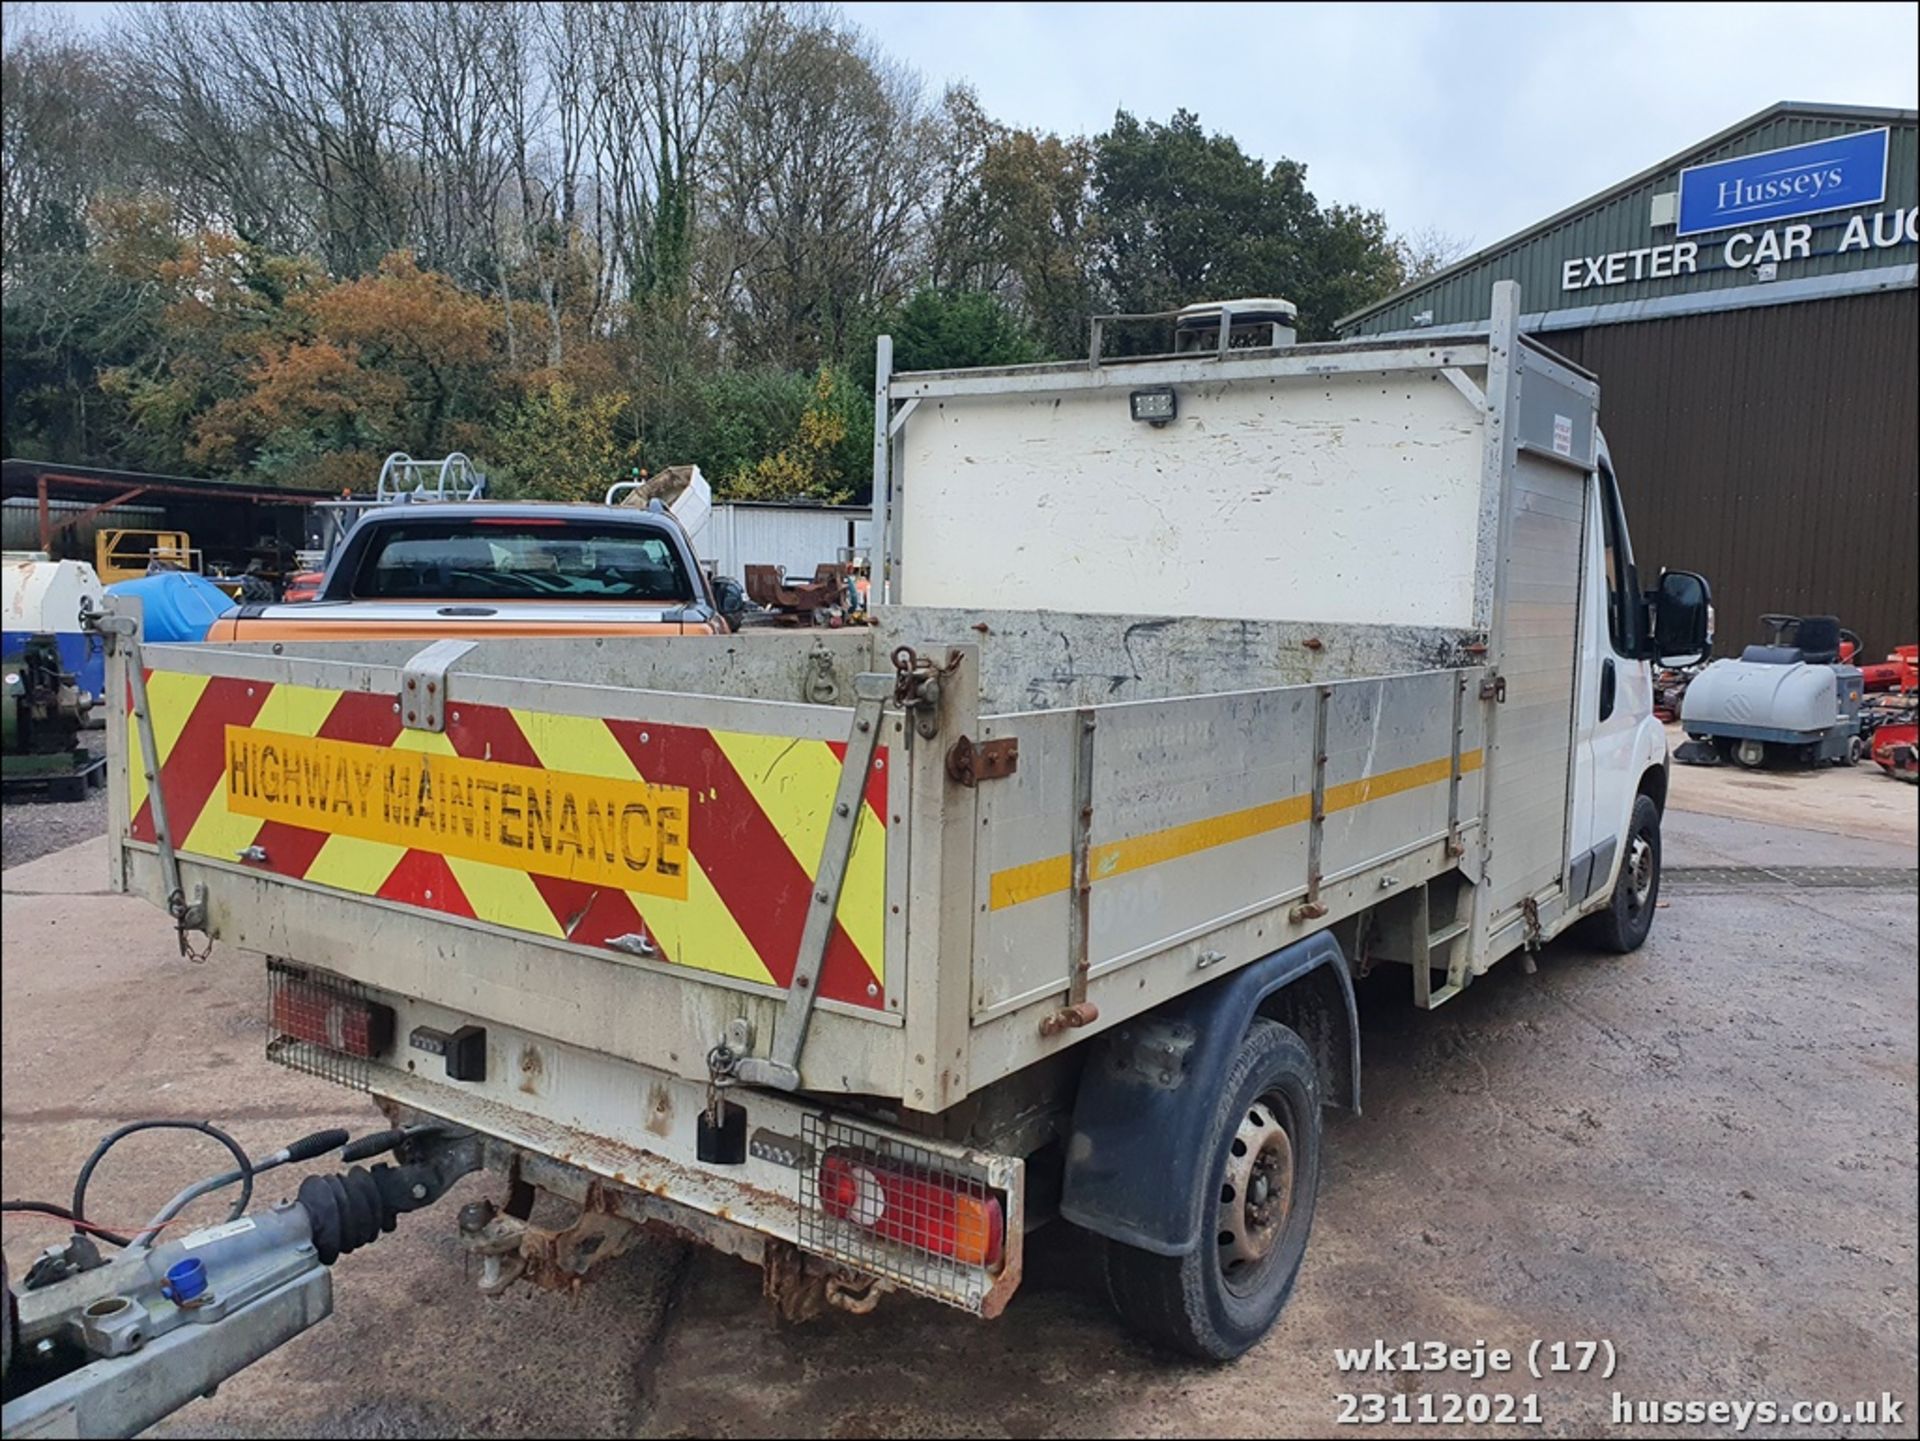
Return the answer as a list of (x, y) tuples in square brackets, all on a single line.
[(1206, 681)]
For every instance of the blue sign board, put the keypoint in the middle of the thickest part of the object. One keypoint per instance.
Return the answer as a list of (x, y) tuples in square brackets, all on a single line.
[(1835, 174)]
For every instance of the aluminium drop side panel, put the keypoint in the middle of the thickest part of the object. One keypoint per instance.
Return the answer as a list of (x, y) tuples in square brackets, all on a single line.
[(1548, 447), (1319, 485), (463, 931), (1199, 842)]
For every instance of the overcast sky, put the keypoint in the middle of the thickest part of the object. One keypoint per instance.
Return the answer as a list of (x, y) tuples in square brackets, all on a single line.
[(1476, 119), (1473, 119)]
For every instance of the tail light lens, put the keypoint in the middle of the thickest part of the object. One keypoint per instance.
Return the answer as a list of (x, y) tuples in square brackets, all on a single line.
[(308, 1011), (926, 1212)]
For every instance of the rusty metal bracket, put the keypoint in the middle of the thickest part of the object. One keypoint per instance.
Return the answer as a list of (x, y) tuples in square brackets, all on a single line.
[(1312, 909), (916, 686), (1069, 1018), (1530, 913), (1456, 848), (969, 763), (511, 1249), (1494, 688)]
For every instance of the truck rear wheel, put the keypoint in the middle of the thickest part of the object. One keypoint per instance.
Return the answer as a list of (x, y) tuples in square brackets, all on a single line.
[(1624, 924), (1257, 1176)]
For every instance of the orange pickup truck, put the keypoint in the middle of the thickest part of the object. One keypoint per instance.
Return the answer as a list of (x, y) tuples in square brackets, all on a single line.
[(486, 569)]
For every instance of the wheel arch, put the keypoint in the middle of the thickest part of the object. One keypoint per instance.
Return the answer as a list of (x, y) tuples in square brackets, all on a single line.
[(1653, 785), (1150, 1085)]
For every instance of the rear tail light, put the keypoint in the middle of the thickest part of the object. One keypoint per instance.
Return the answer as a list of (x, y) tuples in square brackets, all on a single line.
[(306, 1010), (941, 1216)]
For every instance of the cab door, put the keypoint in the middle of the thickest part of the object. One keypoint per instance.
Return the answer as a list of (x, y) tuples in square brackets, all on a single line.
[(1615, 694)]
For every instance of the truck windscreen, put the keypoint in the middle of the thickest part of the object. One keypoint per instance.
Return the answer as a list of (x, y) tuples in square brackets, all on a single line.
[(520, 559)]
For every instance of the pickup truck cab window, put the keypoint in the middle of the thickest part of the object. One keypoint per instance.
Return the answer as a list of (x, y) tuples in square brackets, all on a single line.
[(521, 559)]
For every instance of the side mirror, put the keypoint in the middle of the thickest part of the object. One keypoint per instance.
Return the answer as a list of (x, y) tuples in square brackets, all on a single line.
[(1682, 611), (730, 598)]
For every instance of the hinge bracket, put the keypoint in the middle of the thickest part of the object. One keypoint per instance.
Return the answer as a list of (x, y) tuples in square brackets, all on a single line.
[(970, 762)]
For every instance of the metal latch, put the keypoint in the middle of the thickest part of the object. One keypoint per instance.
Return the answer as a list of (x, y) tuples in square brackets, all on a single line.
[(1494, 688), (423, 685), (969, 763)]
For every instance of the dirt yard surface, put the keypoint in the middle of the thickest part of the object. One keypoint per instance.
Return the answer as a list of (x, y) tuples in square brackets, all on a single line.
[(1857, 800), (33, 828), (1703, 1153)]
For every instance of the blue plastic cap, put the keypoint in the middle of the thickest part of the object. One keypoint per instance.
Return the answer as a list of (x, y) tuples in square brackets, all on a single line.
[(186, 1279)]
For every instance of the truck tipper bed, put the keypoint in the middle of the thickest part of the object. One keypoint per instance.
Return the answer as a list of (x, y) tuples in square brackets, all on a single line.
[(1206, 682)]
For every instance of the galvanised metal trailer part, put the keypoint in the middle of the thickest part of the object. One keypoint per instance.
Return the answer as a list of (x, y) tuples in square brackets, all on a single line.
[(858, 953)]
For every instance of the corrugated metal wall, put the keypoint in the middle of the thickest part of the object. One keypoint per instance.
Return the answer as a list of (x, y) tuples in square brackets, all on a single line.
[(20, 524), (1620, 221), (1775, 450), (796, 538)]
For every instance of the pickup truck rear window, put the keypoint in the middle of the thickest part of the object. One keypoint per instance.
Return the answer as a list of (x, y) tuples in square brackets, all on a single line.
[(520, 560)]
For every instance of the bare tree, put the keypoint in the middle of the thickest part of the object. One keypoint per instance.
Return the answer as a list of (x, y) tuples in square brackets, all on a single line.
[(819, 171), (1429, 250)]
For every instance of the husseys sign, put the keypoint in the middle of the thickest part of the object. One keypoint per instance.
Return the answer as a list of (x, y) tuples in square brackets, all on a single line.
[(1842, 172)]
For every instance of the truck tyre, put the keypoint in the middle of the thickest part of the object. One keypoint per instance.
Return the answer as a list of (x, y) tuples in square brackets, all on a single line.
[(1624, 924), (1258, 1174)]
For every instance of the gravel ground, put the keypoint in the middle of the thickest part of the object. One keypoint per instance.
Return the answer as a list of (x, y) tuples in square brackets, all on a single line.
[(1702, 1153), (30, 829)]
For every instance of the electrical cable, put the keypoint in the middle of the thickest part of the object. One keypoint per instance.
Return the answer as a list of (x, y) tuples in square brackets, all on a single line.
[(78, 1214), (61, 1213)]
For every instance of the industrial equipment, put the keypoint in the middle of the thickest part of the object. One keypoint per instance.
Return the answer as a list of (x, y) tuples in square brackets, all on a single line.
[(42, 709), (124, 554), (1790, 697), (49, 597)]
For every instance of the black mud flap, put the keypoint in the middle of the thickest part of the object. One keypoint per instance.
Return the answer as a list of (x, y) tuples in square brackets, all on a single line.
[(1697, 753)]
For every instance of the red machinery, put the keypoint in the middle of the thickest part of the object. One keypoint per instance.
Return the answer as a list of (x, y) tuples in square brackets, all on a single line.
[(1899, 671), (1895, 748), (1894, 714)]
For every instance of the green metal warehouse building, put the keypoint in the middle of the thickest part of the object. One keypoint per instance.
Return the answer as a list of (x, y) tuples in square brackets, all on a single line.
[(1751, 308)]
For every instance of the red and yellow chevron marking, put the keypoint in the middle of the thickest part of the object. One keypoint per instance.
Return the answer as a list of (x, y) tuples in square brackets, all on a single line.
[(572, 827)]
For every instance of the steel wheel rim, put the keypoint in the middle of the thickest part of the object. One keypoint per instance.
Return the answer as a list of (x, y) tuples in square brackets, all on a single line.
[(1256, 1194), (1639, 870)]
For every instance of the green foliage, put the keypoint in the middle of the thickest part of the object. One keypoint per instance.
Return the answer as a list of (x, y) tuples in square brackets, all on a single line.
[(208, 261), (558, 445), (943, 330), (1188, 216)]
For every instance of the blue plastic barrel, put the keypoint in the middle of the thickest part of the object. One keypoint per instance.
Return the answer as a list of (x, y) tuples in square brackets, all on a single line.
[(178, 606)]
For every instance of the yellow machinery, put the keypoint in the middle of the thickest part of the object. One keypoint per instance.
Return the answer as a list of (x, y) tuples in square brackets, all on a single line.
[(124, 554)]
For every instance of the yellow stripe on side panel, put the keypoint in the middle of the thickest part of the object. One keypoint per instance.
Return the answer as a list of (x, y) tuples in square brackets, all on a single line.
[(699, 932), (1035, 879), (504, 896), (794, 782), (290, 709), (348, 863), (171, 698)]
